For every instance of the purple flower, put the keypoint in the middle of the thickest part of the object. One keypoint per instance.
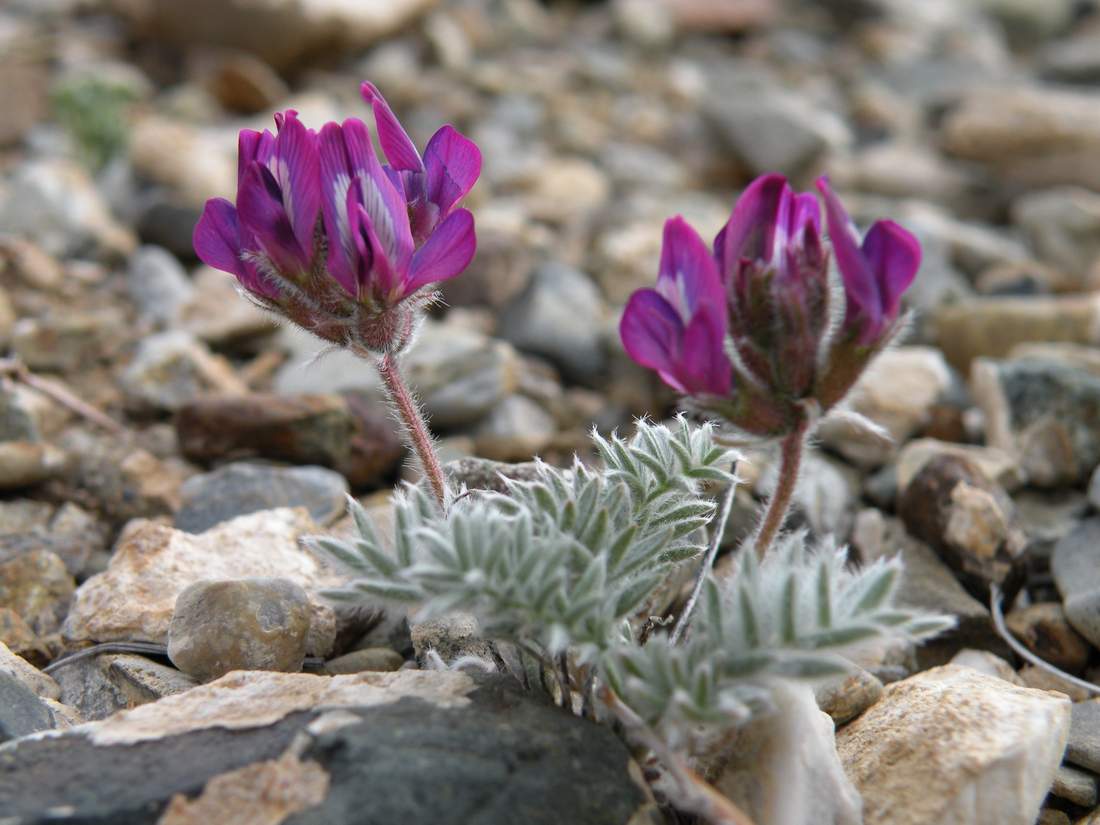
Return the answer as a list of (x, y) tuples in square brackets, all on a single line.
[(679, 328), (431, 185), (875, 274), (326, 235), (775, 272)]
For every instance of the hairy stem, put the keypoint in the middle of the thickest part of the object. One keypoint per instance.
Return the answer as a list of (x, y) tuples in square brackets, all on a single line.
[(708, 559), (415, 425), (789, 464)]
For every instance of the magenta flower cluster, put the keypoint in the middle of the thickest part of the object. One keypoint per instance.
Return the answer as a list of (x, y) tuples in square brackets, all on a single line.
[(342, 244), (744, 328)]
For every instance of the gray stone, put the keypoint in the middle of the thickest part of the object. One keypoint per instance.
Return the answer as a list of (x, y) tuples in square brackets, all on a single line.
[(1062, 225), (99, 686), (1075, 564), (171, 369), (40, 683), (558, 317), (244, 624), (1094, 489), (372, 658), (158, 283), (241, 487), (368, 749), (71, 533), (21, 712), (1083, 745), (1076, 786), (516, 428), (846, 697)]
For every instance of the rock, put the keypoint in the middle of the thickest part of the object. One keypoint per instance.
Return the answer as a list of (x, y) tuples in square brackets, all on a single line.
[(69, 342), (1076, 786), (55, 204), (784, 768), (21, 712), (1074, 59), (272, 747), (1094, 489), (1028, 135), (217, 315), (118, 479), (1042, 679), (997, 465), (1046, 516), (239, 488), (20, 669), (37, 587), (1046, 414), (243, 83), (991, 665), (1043, 628), (563, 190), (172, 369), (18, 636), (283, 34), (928, 583), (158, 284), (24, 413), (1083, 745), (24, 464), (1028, 24), (99, 686), (152, 564), (376, 447), (246, 624), (955, 508), (558, 317), (1061, 225), (380, 659), (846, 697), (304, 429), (991, 327), (517, 428), (774, 130), (452, 637), (1075, 564), (7, 318), (898, 393), (483, 474), (955, 745)]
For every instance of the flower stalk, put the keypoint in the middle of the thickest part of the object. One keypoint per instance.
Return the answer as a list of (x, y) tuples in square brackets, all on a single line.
[(790, 462), (415, 426)]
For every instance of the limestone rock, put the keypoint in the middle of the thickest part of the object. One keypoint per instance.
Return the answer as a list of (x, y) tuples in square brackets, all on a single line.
[(1044, 413), (171, 369), (98, 686), (28, 674), (1075, 564), (21, 711), (245, 624), (37, 587), (340, 750), (784, 768), (955, 745), (152, 564)]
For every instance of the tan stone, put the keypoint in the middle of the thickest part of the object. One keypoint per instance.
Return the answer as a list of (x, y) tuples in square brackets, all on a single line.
[(152, 564), (253, 699), (28, 674), (263, 793), (999, 465), (955, 745)]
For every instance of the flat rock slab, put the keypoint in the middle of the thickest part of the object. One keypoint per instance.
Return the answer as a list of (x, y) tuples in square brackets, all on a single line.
[(409, 747), (955, 745)]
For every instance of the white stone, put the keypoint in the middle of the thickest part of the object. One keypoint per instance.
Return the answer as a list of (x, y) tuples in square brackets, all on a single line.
[(152, 564), (785, 769), (955, 745)]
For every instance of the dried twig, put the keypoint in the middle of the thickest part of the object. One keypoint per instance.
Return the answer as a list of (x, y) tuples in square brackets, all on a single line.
[(18, 371), (695, 794), (1023, 652)]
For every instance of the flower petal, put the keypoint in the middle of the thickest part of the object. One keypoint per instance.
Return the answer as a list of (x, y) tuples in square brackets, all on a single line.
[(296, 166), (217, 237), (688, 278), (893, 255), (446, 253), (253, 146), (336, 189), (261, 212), (758, 226), (395, 141), (702, 365), (453, 163), (651, 331), (860, 285)]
